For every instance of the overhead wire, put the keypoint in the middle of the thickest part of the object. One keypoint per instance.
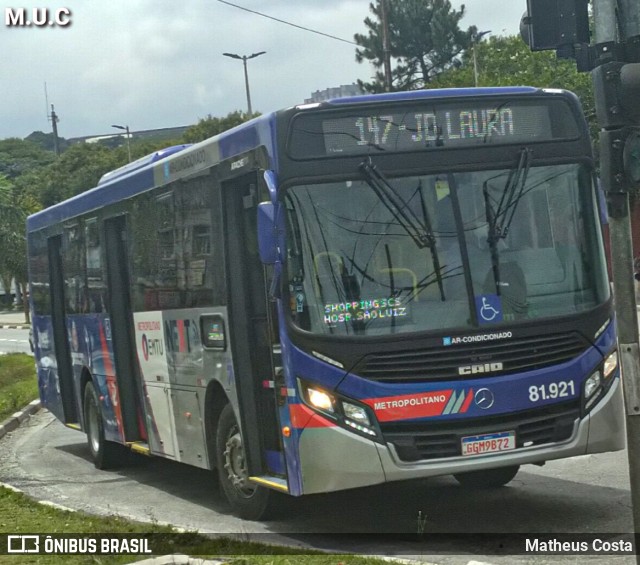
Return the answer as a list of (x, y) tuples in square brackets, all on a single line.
[(287, 23)]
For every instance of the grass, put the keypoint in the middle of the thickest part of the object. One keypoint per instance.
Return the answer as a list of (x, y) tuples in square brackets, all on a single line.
[(18, 383), (21, 515)]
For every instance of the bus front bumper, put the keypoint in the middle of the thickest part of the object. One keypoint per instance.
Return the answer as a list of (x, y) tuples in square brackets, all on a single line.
[(335, 459)]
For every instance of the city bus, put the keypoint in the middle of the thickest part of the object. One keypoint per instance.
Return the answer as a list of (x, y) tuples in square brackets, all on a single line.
[(338, 295)]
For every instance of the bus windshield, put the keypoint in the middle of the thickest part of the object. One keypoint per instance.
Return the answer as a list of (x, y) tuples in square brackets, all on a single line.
[(385, 255)]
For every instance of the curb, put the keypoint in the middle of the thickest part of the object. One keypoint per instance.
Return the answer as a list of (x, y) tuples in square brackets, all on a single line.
[(15, 326), (180, 559), (12, 423)]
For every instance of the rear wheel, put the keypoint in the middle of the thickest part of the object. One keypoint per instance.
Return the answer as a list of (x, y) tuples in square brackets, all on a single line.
[(488, 478), (249, 500), (105, 454)]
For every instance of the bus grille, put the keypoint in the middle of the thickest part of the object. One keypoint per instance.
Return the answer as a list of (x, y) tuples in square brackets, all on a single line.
[(436, 440), (442, 363)]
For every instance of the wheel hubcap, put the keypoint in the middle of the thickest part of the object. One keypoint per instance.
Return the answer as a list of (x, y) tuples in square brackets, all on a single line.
[(235, 464)]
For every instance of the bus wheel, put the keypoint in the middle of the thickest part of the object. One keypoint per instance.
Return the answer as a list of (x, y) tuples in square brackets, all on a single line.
[(249, 501), (105, 454), (488, 478)]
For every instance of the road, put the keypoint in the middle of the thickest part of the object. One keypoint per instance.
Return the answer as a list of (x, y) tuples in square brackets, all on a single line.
[(585, 494), (14, 341)]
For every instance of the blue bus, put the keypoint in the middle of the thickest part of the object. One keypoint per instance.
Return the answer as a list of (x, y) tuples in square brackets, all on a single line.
[(336, 295)]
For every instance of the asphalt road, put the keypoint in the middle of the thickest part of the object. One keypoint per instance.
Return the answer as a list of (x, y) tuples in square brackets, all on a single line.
[(14, 341), (584, 494)]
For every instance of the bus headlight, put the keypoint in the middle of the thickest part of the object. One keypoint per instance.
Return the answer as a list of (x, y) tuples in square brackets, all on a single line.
[(346, 413), (610, 365), (597, 384), (357, 414), (592, 384), (320, 399)]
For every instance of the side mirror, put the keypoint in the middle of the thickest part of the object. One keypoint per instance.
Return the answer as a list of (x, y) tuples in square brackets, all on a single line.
[(270, 232)]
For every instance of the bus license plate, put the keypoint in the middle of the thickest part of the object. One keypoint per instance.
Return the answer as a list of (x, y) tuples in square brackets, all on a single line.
[(488, 443)]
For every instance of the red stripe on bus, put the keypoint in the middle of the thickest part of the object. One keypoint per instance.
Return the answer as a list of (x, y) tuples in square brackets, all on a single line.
[(303, 417), (106, 358), (181, 338), (467, 401)]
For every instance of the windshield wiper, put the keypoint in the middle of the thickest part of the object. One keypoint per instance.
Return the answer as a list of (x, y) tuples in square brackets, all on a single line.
[(511, 195), (420, 232)]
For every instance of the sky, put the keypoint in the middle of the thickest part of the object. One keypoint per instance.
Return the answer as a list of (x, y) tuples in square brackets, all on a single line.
[(154, 64)]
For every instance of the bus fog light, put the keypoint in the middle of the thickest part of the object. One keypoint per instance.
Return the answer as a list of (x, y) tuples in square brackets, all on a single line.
[(356, 413), (592, 384), (610, 364)]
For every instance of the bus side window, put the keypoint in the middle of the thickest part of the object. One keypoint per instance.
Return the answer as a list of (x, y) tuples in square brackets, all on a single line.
[(75, 271), (95, 281)]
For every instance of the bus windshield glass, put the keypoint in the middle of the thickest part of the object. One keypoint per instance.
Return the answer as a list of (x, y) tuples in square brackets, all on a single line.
[(385, 255)]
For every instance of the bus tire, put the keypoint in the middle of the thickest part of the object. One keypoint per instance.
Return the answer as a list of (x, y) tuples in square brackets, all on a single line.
[(105, 454), (487, 478), (249, 501)]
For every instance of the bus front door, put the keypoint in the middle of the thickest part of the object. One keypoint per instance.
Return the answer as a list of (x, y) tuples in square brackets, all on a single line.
[(253, 335)]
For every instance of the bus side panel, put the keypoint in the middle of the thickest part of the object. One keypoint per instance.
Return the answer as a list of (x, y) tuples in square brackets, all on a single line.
[(176, 371)]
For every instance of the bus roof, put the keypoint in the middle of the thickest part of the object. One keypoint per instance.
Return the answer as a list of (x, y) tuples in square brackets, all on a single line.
[(434, 93), (159, 168)]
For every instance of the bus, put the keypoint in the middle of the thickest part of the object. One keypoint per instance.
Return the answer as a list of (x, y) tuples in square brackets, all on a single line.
[(338, 295)]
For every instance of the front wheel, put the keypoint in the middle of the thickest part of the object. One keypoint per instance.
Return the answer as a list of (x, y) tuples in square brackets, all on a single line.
[(249, 501), (105, 454), (488, 478)]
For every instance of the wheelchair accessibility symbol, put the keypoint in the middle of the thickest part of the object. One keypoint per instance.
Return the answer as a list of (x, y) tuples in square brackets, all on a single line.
[(489, 308)]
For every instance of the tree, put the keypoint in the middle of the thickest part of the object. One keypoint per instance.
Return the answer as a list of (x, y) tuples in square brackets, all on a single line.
[(15, 206), (210, 126), (18, 156), (424, 39), (46, 141)]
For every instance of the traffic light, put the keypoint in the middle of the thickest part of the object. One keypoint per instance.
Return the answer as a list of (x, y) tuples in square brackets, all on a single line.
[(555, 24), (617, 96)]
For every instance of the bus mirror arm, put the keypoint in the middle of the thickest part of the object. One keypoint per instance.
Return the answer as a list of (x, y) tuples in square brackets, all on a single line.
[(270, 232), (272, 185), (274, 289)]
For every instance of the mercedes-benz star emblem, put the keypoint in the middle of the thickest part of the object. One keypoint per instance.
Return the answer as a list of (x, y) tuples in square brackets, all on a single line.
[(484, 398)]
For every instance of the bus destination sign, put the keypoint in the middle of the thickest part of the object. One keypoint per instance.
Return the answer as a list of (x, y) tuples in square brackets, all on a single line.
[(441, 125)]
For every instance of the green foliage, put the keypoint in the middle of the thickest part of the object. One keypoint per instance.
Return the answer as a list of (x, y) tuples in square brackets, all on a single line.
[(18, 156), (15, 206), (210, 126), (46, 141), (424, 37)]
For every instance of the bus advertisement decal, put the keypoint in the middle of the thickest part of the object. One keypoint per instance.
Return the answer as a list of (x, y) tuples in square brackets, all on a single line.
[(150, 344)]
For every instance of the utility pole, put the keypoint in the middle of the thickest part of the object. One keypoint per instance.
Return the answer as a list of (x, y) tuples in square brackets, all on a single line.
[(54, 124), (616, 81), (386, 48), (614, 62)]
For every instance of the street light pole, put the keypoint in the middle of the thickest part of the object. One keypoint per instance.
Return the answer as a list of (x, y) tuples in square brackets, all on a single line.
[(476, 40), (126, 128), (244, 59)]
